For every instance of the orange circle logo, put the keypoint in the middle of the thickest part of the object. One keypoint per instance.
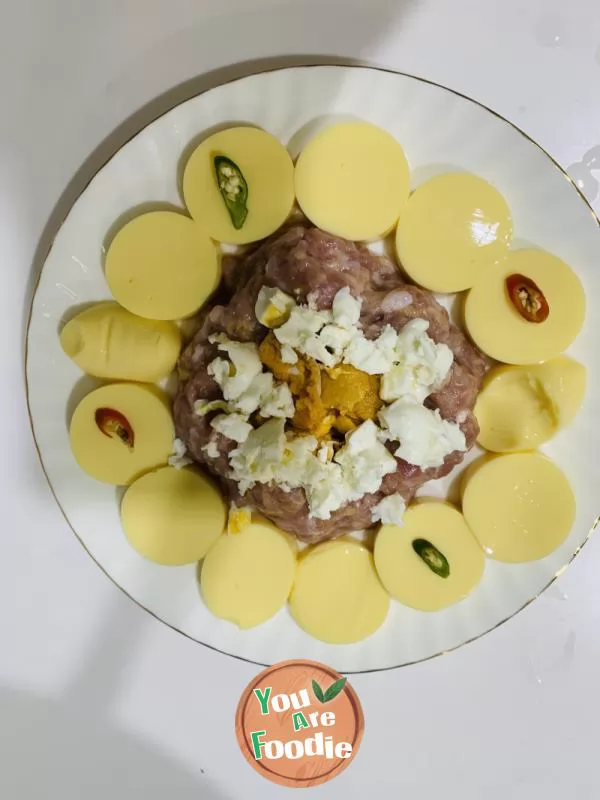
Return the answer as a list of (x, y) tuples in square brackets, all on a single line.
[(299, 723)]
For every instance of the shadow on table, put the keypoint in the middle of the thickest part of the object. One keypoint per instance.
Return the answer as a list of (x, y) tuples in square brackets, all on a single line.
[(55, 748), (74, 747)]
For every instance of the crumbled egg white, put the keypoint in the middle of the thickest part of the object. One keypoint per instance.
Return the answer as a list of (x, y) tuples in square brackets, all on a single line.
[(365, 461), (258, 458), (325, 489), (317, 349), (321, 335), (425, 438), (390, 510), (373, 356), (326, 452), (252, 398), (400, 381), (420, 366), (357, 468), (204, 407), (346, 309), (278, 402), (298, 454), (178, 458), (300, 332), (211, 449), (246, 389), (246, 366), (335, 339), (273, 306), (220, 370), (234, 426), (288, 354)]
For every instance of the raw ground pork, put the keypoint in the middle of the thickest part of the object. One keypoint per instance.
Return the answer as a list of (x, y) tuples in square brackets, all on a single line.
[(302, 260)]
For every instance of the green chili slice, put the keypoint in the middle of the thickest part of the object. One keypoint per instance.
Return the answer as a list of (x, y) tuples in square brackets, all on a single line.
[(436, 561), (233, 188)]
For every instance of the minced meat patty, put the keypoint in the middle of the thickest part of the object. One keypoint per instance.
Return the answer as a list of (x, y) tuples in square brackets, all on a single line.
[(303, 260)]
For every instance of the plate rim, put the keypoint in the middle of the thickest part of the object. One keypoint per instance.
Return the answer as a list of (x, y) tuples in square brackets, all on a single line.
[(40, 261)]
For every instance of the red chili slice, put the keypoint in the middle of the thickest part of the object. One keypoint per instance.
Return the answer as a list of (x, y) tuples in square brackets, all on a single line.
[(115, 425), (527, 298)]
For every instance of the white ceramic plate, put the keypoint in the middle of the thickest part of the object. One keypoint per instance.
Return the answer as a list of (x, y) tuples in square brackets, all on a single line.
[(438, 129)]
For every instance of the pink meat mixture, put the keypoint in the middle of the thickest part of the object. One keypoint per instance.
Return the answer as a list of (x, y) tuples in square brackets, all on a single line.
[(303, 260)]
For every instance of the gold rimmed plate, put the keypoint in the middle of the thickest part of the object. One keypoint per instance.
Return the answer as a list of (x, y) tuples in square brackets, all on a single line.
[(439, 129)]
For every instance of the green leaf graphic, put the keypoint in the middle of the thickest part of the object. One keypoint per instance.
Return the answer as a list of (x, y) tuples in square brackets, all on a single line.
[(318, 692), (334, 689)]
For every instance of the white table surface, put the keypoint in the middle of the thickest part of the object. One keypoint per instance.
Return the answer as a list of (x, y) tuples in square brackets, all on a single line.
[(99, 700)]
